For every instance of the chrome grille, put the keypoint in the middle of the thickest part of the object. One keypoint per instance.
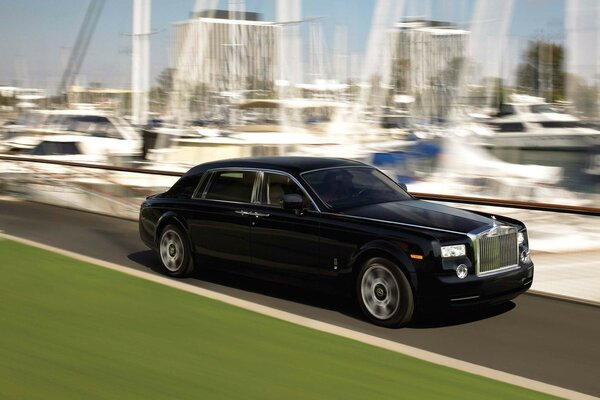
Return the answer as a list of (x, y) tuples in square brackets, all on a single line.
[(498, 249)]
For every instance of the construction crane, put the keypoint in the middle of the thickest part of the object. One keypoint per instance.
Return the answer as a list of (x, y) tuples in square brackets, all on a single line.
[(81, 45)]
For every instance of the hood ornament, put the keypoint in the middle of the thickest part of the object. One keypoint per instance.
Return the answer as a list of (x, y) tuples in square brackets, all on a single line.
[(495, 230), (494, 222)]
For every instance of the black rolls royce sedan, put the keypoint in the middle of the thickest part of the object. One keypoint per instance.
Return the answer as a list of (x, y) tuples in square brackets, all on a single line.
[(341, 220)]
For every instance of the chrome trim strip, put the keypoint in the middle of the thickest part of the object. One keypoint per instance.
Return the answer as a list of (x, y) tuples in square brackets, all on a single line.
[(261, 179), (202, 180), (227, 201), (209, 180), (498, 270), (465, 298), (339, 167), (396, 223), (256, 187)]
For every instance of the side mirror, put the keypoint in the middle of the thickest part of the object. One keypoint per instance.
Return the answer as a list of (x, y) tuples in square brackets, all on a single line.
[(292, 201), (403, 186)]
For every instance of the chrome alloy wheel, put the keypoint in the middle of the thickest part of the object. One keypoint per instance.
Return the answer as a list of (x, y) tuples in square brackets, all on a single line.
[(380, 292), (172, 250)]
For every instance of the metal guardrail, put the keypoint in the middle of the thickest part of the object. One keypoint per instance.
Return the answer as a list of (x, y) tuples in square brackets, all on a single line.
[(89, 165), (527, 205), (560, 208)]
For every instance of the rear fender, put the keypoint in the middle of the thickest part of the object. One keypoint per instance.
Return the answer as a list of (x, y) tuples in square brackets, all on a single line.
[(167, 218)]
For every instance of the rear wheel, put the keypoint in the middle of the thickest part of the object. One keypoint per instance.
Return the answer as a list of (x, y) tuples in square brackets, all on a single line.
[(174, 251), (384, 294)]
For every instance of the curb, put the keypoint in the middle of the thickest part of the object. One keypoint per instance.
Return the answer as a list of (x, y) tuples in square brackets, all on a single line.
[(562, 297)]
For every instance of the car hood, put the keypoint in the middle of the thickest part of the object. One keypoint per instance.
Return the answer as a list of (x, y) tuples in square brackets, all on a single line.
[(423, 214)]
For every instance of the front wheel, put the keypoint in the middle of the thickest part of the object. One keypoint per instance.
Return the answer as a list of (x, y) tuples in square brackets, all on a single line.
[(174, 252), (384, 294)]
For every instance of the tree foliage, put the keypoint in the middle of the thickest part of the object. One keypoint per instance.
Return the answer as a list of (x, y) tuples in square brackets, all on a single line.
[(541, 72), (583, 96), (159, 95)]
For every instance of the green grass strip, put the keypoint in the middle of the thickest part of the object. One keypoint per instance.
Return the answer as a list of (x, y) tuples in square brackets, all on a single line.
[(71, 330)]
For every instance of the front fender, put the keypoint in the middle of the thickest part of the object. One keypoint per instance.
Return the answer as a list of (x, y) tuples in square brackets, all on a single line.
[(386, 248)]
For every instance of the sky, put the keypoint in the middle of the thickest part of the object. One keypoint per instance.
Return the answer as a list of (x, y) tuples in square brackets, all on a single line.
[(37, 35)]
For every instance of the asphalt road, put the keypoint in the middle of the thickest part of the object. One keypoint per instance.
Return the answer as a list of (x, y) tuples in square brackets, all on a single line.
[(549, 340)]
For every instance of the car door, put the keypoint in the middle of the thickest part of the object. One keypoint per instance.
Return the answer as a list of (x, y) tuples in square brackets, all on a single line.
[(282, 239), (220, 226)]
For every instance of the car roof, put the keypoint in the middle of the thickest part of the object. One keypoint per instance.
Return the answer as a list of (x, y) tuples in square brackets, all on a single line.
[(293, 164)]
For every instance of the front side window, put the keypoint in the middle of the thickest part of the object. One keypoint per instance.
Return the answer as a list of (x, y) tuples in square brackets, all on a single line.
[(276, 185), (343, 188), (232, 186)]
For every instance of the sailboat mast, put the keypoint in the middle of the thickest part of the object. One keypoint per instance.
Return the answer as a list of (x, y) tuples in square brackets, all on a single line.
[(140, 61)]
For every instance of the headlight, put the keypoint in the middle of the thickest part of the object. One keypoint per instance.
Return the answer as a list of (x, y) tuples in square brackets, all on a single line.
[(520, 238), (454, 251)]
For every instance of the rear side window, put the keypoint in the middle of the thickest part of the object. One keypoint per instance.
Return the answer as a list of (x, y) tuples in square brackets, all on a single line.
[(184, 187), (232, 186)]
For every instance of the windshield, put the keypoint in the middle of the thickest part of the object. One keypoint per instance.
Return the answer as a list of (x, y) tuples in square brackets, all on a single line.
[(342, 188)]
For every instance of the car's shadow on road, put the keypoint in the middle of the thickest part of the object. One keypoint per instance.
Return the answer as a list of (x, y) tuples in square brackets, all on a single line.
[(311, 294), (245, 286), (446, 318), (146, 258)]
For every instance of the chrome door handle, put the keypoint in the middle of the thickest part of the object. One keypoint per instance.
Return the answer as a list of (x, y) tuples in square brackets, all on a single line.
[(253, 213), (257, 214)]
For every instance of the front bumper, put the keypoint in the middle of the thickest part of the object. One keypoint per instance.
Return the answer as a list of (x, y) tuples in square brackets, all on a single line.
[(450, 291)]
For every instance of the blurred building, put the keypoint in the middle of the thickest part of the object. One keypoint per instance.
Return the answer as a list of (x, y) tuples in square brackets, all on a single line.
[(100, 97), (426, 59), (221, 54), (14, 98)]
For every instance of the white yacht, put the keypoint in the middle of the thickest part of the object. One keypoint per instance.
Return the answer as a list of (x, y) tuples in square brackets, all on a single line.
[(81, 188), (470, 170), (180, 146), (14, 137), (115, 136), (530, 123)]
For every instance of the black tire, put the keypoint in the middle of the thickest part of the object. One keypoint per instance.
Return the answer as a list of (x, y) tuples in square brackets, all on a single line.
[(174, 252), (384, 294)]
